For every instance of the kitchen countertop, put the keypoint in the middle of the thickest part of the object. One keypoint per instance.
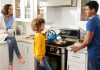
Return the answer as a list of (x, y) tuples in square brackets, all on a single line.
[(84, 50), (80, 51), (56, 46), (20, 38), (28, 39)]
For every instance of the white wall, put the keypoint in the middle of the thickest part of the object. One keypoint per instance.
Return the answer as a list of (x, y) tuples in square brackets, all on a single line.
[(26, 27), (3, 2), (99, 6), (69, 16), (66, 16), (61, 16)]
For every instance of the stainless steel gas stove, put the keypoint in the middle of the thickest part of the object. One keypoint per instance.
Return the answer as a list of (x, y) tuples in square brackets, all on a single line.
[(57, 54)]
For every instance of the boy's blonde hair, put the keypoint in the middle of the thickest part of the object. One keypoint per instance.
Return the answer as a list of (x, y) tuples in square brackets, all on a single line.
[(36, 23)]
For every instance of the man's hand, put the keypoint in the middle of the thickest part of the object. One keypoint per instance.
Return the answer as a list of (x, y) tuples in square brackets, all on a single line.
[(75, 48)]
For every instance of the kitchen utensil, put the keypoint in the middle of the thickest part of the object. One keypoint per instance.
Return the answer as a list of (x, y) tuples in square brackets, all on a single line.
[(51, 35)]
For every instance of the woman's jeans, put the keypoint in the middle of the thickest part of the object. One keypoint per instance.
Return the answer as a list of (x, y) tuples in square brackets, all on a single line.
[(46, 67), (12, 46)]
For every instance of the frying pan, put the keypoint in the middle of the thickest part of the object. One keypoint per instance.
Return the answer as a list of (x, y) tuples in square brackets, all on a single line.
[(60, 42)]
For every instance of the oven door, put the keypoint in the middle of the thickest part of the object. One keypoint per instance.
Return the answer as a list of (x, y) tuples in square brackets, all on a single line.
[(56, 57), (53, 58), (54, 61)]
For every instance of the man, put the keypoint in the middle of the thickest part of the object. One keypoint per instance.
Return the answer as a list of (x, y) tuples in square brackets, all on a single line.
[(92, 40)]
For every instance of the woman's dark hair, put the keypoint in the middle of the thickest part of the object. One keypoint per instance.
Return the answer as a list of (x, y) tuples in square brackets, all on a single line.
[(93, 5), (36, 23), (5, 9)]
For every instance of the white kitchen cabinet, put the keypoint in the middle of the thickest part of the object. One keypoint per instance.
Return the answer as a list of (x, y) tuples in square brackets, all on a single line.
[(31, 60), (23, 50), (77, 61), (4, 58), (58, 2), (72, 65), (25, 10), (26, 52)]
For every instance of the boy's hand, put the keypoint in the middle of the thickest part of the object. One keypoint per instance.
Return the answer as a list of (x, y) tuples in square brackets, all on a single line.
[(41, 63)]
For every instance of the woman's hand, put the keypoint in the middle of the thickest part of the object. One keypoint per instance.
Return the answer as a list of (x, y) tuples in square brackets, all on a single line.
[(5, 32), (41, 63), (10, 31)]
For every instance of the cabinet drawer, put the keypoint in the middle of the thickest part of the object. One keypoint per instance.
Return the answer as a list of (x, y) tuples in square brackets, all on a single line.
[(79, 57)]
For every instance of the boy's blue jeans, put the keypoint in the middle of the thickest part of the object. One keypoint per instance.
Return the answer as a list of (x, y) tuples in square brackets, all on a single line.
[(12, 44), (47, 66)]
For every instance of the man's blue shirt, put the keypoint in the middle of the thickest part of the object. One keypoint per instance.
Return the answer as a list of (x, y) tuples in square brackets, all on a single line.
[(93, 25)]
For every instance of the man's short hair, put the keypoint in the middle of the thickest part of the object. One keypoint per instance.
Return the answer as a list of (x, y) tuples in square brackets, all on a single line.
[(93, 5)]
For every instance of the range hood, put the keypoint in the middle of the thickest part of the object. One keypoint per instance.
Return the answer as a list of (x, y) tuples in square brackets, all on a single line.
[(57, 3)]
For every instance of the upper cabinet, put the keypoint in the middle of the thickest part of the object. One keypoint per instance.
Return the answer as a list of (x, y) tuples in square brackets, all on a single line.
[(25, 10), (58, 2)]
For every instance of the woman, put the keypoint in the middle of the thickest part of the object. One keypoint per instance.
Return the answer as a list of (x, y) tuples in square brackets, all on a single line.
[(8, 26)]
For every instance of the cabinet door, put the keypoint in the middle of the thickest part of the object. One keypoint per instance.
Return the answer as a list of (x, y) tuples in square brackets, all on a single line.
[(74, 68), (78, 57), (25, 10), (31, 60), (76, 65), (18, 9), (4, 59), (23, 50)]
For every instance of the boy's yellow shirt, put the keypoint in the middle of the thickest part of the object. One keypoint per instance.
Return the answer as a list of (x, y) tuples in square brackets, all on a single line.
[(39, 46)]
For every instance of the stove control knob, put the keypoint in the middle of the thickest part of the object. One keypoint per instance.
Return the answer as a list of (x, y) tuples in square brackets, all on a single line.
[(57, 51), (51, 49)]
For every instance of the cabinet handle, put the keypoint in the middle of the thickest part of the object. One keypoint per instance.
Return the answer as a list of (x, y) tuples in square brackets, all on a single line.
[(27, 49), (68, 67), (75, 56)]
